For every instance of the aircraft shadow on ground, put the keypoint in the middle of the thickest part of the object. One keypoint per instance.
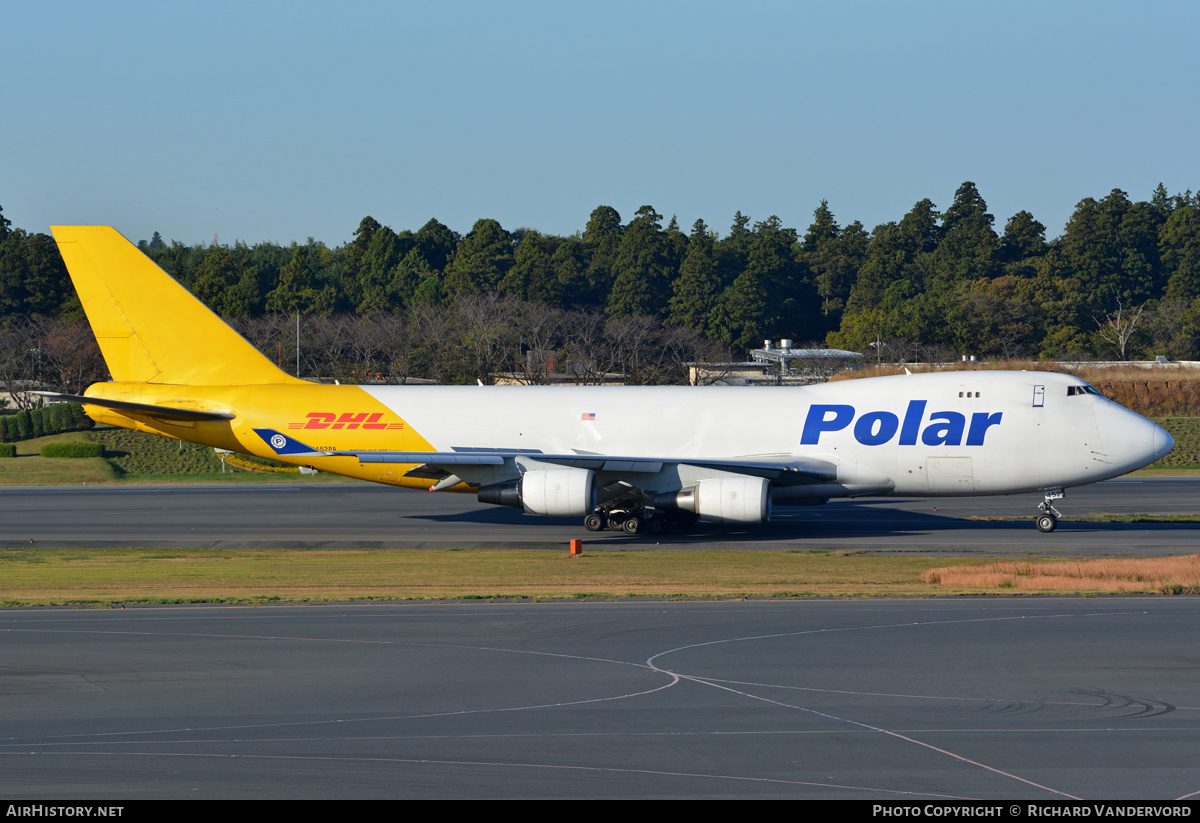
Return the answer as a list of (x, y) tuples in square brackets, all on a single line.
[(867, 518)]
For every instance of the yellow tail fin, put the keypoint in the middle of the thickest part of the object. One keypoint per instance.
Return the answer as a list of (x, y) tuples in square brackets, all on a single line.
[(150, 328)]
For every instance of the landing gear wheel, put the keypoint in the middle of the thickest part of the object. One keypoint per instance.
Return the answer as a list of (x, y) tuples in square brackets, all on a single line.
[(616, 522), (593, 522), (1046, 523), (655, 525), (632, 525)]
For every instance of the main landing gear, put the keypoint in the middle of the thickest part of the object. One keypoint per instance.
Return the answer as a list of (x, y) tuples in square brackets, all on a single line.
[(1047, 521), (637, 521)]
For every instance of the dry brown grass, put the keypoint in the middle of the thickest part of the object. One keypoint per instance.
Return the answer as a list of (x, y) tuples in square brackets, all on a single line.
[(1125, 374), (1117, 373), (1152, 392), (1169, 575)]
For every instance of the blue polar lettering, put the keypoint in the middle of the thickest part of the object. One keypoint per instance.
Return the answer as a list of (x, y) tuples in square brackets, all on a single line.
[(945, 428), (948, 433), (818, 421), (876, 428), (980, 423), (912, 422)]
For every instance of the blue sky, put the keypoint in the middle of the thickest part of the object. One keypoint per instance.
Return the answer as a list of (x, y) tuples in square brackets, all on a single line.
[(280, 121)]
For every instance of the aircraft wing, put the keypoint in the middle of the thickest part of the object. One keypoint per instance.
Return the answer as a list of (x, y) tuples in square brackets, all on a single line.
[(607, 464), (780, 468)]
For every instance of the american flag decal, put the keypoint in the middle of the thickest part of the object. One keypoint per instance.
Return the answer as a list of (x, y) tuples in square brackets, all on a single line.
[(588, 416)]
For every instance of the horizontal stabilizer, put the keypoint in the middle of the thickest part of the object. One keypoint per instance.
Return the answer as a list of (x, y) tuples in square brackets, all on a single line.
[(161, 412)]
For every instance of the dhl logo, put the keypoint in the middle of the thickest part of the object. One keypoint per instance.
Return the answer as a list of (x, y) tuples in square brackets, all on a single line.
[(348, 420)]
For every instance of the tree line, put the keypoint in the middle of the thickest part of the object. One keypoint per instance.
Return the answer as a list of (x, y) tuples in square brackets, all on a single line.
[(1123, 280), (478, 338)]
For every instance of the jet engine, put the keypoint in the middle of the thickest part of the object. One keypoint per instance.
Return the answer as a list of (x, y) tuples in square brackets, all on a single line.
[(550, 492), (724, 500)]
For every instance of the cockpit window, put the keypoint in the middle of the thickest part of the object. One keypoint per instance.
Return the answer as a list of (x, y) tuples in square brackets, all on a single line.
[(1084, 389)]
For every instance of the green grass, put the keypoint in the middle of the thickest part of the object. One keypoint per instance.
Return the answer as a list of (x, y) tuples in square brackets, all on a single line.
[(29, 468), (1186, 431), (72, 450), (132, 457), (1096, 517), (1140, 518), (48, 576), (140, 453)]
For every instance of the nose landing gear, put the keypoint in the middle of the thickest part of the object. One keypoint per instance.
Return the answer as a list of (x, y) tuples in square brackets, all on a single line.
[(1047, 521)]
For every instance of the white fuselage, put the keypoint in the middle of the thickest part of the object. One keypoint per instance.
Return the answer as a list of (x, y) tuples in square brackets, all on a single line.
[(947, 433)]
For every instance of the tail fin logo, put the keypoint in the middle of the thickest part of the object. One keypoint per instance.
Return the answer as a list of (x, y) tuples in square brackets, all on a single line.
[(282, 445)]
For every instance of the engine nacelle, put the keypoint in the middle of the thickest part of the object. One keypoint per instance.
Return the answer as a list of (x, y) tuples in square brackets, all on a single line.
[(502, 494), (726, 500), (559, 492)]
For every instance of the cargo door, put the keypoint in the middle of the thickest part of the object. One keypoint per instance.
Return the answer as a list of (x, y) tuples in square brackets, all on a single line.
[(950, 475)]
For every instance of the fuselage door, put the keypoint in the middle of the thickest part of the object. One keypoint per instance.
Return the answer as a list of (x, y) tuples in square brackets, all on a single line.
[(950, 475), (1039, 396)]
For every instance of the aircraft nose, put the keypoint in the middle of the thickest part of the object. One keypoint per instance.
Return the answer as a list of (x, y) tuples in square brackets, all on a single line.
[(1163, 442), (1130, 440)]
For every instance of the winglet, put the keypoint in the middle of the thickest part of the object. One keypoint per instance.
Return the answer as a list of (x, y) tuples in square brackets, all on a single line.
[(150, 328)]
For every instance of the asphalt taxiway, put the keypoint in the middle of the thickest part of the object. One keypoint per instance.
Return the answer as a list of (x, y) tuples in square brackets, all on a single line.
[(991, 698), (1038, 698), (352, 515)]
